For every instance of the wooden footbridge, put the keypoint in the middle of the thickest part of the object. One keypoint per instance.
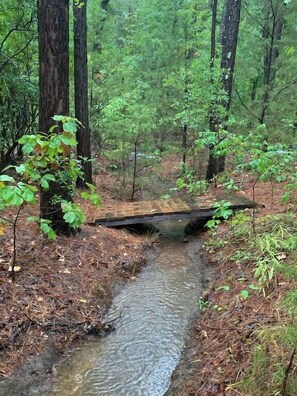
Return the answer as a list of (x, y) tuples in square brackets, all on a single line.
[(123, 214)]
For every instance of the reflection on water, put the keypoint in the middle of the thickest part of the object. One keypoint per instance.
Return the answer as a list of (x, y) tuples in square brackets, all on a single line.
[(153, 314)]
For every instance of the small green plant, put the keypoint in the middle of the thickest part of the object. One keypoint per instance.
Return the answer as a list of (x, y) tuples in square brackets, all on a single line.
[(241, 256), (222, 211), (224, 288), (50, 160), (244, 294), (189, 182), (203, 304)]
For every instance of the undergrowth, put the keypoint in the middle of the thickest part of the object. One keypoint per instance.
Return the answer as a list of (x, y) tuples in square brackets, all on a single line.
[(271, 256)]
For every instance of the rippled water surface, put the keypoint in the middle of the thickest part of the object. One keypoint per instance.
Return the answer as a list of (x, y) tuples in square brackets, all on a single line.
[(153, 313)]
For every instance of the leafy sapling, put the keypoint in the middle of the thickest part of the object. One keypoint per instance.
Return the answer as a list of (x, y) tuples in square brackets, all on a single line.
[(50, 162), (222, 211)]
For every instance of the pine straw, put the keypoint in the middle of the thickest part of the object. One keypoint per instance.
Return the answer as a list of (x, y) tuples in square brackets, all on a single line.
[(62, 289), (226, 332)]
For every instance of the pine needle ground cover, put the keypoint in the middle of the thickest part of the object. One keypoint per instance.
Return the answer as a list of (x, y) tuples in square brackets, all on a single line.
[(62, 287), (245, 336)]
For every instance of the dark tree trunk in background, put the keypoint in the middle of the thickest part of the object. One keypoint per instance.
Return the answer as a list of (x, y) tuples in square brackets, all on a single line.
[(229, 36), (81, 91), (97, 47), (272, 33), (104, 4), (214, 11), (53, 39), (213, 162)]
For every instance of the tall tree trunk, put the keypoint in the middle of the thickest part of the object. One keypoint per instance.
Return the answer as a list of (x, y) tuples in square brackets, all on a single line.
[(81, 91), (213, 164), (97, 47), (272, 32), (53, 40), (229, 36)]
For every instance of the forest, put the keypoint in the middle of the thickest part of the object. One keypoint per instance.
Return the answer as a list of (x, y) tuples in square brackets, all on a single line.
[(107, 101)]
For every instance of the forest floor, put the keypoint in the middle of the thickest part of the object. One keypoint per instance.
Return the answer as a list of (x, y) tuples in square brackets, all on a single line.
[(221, 342), (64, 287)]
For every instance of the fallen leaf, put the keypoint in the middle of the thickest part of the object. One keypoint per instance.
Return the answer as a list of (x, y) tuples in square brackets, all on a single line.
[(2, 229), (281, 256), (83, 300), (17, 268)]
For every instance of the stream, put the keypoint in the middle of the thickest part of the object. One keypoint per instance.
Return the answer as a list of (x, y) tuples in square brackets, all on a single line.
[(152, 316)]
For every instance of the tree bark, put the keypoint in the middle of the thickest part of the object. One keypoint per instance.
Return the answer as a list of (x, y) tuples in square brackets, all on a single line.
[(213, 167), (53, 40), (272, 32), (229, 36), (83, 135)]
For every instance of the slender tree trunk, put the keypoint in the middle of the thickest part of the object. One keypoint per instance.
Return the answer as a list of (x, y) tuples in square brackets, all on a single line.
[(212, 166), (184, 142), (53, 39), (97, 47), (187, 58), (134, 169), (83, 135), (272, 32), (229, 36)]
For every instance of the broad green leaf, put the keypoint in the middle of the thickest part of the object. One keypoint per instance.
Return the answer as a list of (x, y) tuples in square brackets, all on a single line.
[(28, 195), (70, 217), (32, 219), (58, 117), (20, 169), (44, 183), (49, 176), (6, 178), (69, 140), (70, 127)]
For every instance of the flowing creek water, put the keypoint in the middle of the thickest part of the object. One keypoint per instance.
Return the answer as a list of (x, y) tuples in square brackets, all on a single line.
[(152, 316)]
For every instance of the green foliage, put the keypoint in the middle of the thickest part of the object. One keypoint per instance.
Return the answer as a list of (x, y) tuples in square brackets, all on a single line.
[(50, 160), (271, 252), (188, 181), (222, 211), (244, 294), (224, 287), (19, 74)]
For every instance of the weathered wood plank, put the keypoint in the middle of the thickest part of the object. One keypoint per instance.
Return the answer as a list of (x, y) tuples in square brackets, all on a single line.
[(161, 210)]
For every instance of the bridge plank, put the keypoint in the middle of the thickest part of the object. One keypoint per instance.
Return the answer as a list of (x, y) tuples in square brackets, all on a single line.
[(160, 210)]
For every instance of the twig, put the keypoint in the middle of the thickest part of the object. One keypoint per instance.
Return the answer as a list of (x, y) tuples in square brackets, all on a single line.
[(288, 369), (219, 328), (14, 243)]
